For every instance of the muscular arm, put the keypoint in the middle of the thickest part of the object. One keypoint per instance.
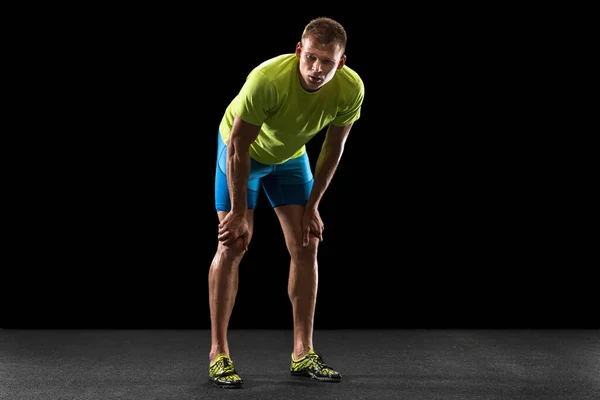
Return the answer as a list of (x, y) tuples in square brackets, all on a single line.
[(238, 163), (329, 158)]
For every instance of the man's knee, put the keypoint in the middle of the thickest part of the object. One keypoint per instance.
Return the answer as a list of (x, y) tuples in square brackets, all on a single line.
[(233, 250), (309, 252)]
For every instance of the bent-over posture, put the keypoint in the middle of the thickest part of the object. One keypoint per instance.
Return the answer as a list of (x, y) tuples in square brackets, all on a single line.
[(284, 102)]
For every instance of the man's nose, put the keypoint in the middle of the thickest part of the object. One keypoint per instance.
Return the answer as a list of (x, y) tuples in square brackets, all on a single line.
[(317, 66)]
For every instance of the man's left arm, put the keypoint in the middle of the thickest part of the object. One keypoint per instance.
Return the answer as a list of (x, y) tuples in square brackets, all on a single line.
[(327, 163)]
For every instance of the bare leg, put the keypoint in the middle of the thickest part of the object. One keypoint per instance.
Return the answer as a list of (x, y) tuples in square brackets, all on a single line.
[(223, 278), (303, 278)]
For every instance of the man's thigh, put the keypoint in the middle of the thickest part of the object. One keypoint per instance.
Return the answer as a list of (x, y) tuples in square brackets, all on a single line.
[(222, 198), (289, 183)]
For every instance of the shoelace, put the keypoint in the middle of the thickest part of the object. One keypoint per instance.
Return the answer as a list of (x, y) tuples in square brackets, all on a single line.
[(317, 360), (225, 365)]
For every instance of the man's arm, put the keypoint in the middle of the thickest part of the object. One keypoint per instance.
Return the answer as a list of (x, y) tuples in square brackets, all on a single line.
[(329, 158), (235, 224), (238, 163)]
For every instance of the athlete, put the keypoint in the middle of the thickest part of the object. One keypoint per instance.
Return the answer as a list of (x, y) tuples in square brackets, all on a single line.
[(284, 102)]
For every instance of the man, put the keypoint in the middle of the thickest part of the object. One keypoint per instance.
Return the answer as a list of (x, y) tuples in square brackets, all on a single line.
[(284, 102)]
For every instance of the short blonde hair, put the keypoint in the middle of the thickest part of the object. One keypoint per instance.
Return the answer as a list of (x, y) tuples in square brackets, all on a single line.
[(326, 31)]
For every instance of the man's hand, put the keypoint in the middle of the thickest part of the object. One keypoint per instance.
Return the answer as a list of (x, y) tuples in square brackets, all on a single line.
[(233, 227), (311, 224)]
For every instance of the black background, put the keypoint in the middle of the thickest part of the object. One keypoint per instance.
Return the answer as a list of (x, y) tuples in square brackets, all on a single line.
[(442, 212)]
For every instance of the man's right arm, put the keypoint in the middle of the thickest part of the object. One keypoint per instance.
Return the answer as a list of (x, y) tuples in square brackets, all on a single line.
[(238, 163)]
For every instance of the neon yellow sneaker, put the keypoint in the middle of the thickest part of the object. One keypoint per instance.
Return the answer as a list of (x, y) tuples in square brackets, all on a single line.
[(312, 366), (222, 373)]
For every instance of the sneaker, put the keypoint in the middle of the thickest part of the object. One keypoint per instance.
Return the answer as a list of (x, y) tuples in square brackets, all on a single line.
[(312, 366), (223, 374)]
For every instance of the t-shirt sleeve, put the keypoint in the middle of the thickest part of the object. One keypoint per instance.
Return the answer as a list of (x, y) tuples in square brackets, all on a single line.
[(351, 112), (255, 99)]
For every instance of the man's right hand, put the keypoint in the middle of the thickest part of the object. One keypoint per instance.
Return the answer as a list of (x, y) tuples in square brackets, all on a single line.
[(233, 227)]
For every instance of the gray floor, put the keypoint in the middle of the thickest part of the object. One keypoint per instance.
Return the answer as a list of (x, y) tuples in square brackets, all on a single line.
[(375, 364)]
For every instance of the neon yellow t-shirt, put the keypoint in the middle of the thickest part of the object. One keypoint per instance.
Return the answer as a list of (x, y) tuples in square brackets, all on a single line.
[(289, 116)]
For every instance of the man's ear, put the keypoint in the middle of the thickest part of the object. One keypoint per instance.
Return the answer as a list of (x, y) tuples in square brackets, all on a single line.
[(342, 62), (298, 49)]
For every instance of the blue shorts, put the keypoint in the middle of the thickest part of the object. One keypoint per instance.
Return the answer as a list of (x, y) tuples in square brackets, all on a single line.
[(287, 183)]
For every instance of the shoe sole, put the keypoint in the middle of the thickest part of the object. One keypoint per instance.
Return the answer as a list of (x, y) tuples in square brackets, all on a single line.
[(226, 385), (308, 374)]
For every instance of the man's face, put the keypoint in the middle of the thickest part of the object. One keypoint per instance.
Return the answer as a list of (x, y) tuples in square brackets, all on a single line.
[(318, 63)]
